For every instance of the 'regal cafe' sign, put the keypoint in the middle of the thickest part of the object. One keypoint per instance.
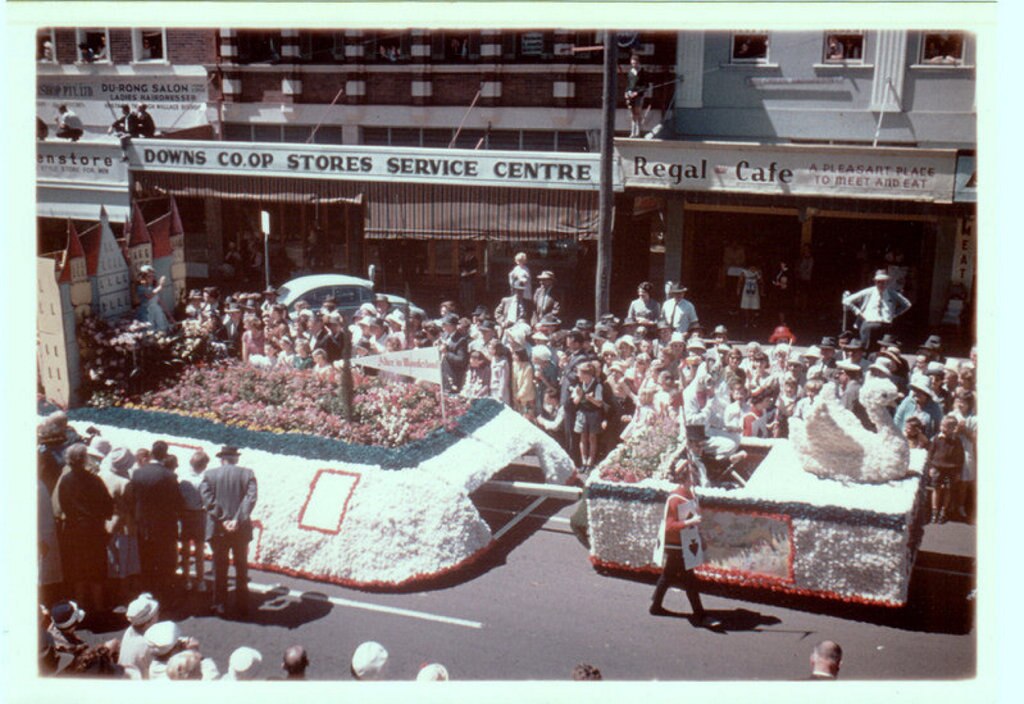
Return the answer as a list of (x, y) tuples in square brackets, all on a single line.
[(859, 172), (469, 167)]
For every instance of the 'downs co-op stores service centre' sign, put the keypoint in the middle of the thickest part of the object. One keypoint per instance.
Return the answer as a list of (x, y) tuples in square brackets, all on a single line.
[(460, 166), (856, 172)]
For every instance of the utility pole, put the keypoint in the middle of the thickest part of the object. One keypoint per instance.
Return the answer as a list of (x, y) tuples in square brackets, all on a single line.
[(606, 197)]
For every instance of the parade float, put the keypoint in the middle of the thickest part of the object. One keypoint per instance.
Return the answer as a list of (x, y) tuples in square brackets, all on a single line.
[(835, 511)]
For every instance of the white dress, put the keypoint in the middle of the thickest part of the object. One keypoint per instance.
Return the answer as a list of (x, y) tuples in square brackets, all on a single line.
[(751, 298)]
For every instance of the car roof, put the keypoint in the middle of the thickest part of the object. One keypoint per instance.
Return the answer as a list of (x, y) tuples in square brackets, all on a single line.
[(304, 283)]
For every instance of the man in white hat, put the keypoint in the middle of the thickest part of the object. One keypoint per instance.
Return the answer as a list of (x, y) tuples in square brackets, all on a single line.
[(678, 312), (245, 663), (229, 492), (368, 661), (878, 307), (135, 650), (544, 301)]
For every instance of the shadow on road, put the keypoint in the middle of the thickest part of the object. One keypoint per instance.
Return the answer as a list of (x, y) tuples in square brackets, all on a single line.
[(940, 598)]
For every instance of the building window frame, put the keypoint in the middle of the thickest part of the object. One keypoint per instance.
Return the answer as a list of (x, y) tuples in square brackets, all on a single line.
[(273, 50), (751, 57), (336, 48), (933, 49), (82, 36), (138, 44), (379, 47), (43, 35), (840, 47)]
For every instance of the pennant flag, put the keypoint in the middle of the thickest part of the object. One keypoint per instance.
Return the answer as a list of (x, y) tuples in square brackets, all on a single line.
[(422, 363)]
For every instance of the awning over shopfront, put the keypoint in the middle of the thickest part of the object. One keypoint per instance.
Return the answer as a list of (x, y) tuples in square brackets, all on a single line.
[(419, 211), (267, 189)]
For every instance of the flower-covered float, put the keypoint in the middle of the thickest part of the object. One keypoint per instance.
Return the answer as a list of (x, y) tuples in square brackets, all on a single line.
[(380, 501), (835, 511)]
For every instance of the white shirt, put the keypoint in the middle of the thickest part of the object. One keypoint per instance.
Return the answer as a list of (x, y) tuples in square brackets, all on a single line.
[(878, 307), (679, 313)]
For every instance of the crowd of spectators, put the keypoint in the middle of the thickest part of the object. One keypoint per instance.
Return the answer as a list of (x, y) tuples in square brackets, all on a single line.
[(591, 384)]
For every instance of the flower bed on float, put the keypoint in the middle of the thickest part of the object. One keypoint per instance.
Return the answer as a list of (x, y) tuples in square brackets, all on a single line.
[(787, 530), (331, 508)]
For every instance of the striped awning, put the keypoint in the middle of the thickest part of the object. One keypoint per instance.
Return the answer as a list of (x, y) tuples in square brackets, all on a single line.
[(458, 212), (267, 189), (409, 210)]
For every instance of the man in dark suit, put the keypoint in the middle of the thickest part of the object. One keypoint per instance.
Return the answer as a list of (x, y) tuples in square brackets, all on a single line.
[(157, 507), (454, 353), (229, 493), (320, 338), (233, 330), (513, 308), (544, 301), (574, 344)]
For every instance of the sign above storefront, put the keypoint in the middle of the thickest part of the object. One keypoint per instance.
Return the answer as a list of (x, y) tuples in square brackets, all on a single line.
[(966, 179), (802, 170), (74, 179), (176, 101), (467, 167)]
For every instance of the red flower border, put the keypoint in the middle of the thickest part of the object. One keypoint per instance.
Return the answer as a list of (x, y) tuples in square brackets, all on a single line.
[(344, 508), (770, 586)]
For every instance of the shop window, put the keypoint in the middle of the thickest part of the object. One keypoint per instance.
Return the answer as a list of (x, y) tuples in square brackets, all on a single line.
[(148, 44), (942, 48), (93, 45), (322, 47), (375, 136), (437, 138), (327, 134), (46, 45), (470, 139), (508, 140), (844, 47), (256, 47), (389, 47), (750, 48), (405, 137)]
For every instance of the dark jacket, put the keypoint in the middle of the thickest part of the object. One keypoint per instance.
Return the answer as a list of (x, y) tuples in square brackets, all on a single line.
[(454, 361), (544, 303), (229, 493), (158, 502)]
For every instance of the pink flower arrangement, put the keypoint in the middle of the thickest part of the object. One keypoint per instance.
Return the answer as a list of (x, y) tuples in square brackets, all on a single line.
[(285, 400), (640, 457)]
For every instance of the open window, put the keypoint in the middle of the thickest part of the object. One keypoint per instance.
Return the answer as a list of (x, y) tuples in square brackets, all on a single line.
[(389, 47), (750, 48), (942, 48), (149, 44), (322, 46), (258, 47), (844, 47), (46, 45), (93, 45)]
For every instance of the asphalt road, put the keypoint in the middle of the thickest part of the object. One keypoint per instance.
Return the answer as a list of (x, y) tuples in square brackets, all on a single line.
[(535, 607)]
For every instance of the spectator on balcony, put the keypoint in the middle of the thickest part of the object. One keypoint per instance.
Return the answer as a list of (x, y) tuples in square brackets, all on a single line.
[(140, 122), (69, 125), (637, 85)]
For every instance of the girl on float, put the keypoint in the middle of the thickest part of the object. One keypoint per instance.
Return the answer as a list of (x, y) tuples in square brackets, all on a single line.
[(147, 290)]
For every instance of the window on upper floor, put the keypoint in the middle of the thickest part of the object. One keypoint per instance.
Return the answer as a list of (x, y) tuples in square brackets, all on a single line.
[(842, 47), (93, 45), (942, 48), (322, 46), (149, 44), (458, 46), (46, 45), (750, 48), (258, 47), (389, 47)]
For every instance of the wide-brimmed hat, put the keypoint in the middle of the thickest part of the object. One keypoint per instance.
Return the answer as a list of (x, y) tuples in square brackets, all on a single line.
[(720, 330), (677, 288), (677, 337), (546, 275), (433, 672), (888, 340), (918, 386), (812, 352), (935, 369), (827, 343), (881, 275), (99, 448), (66, 614), (882, 365), (849, 367), (368, 660), (121, 461), (450, 319), (244, 663), (584, 324), (195, 293), (142, 609), (695, 343), (228, 451), (696, 432), (553, 320), (163, 636), (854, 344)]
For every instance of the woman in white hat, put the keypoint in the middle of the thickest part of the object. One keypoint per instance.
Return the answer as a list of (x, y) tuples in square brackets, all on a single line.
[(136, 651)]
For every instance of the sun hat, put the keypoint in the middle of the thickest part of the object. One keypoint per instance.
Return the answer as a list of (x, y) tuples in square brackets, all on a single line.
[(433, 672), (66, 614), (228, 451), (881, 275), (121, 461), (244, 663), (163, 636), (142, 609), (368, 660)]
